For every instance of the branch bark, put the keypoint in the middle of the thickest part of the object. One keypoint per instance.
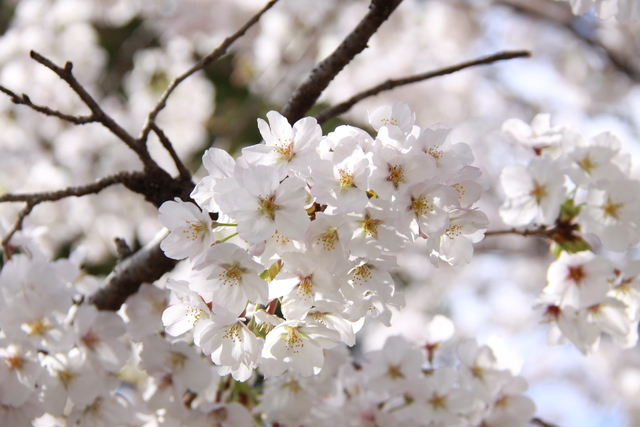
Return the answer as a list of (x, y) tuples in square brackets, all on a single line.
[(145, 266), (306, 95), (345, 106)]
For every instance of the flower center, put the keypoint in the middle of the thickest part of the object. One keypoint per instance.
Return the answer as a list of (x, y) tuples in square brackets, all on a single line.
[(362, 274), (576, 274), (587, 164), (396, 175), (420, 205), (539, 191), (268, 207), (370, 226), (611, 209), (305, 287), (285, 151), (346, 179), (328, 240), (194, 230), (293, 340), (232, 275)]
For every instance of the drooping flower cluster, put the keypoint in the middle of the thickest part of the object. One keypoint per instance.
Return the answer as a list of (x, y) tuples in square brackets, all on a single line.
[(317, 221), (572, 189)]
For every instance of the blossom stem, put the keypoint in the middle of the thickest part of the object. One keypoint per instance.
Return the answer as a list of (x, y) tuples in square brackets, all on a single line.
[(227, 238)]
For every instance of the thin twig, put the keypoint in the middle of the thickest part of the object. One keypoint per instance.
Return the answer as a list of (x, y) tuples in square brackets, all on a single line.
[(78, 191), (6, 248), (166, 143), (33, 199), (535, 232), (343, 107), (201, 64), (25, 100), (98, 113), (306, 95), (560, 14)]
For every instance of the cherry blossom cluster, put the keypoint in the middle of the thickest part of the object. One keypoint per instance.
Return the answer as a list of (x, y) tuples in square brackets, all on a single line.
[(571, 190), (400, 385), (305, 232), (65, 363)]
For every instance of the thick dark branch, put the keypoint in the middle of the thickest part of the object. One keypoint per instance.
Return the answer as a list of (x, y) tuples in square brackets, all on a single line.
[(144, 266), (97, 112), (24, 100), (201, 64), (166, 143), (343, 107), (306, 95), (81, 190)]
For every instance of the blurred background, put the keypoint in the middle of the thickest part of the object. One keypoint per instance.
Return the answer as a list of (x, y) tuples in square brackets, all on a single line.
[(584, 71)]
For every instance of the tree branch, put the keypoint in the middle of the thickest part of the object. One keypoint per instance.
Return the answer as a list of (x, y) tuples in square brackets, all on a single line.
[(306, 95), (145, 266), (345, 106), (201, 64), (535, 232), (97, 113), (24, 100), (166, 143), (560, 14), (33, 199), (81, 190)]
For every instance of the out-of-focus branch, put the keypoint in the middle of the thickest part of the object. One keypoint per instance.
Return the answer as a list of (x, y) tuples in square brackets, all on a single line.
[(561, 15), (79, 191), (97, 113), (306, 95), (542, 423), (201, 64), (535, 232), (25, 100), (166, 143), (343, 107), (33, 199)]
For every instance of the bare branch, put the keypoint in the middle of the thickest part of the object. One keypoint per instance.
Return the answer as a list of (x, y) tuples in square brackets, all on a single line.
[(81, 190), (164, 140), (6, 248), (306, 95), (24, 100), (98, 113), (201, 64), (145, 266), (343, 107), (535, 232), (33, 199)]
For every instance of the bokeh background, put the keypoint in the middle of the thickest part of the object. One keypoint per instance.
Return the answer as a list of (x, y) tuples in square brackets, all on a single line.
[(583, 71)]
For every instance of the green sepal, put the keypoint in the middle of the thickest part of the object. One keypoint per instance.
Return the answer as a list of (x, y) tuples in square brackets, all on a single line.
[(575, 245), (270, 273), (568, 211)]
